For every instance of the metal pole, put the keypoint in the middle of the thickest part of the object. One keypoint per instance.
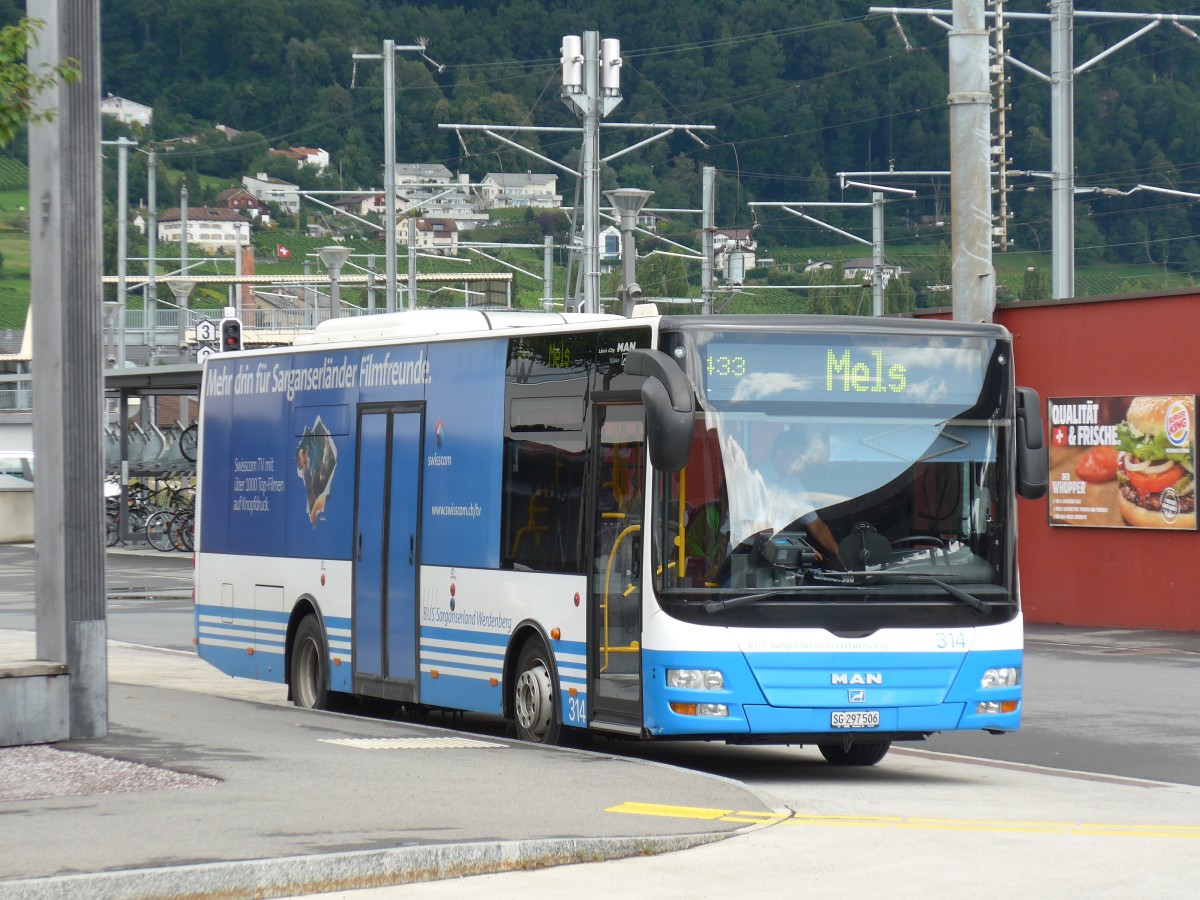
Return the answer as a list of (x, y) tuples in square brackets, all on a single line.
[(181, 301), (877, 238), (150, 297), (65, 260), (236, 289), (973, 276), (370, 283), (590, 168), (310, 298), (389, 171), (707, 227), (1062, 149), (1002, 160), (547, 273), (412, 262), (123, 146)]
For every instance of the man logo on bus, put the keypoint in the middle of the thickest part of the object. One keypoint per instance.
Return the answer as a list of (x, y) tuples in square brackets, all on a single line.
[(856, 677)]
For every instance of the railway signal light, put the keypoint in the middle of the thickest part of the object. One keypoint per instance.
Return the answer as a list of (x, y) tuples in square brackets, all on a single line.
[(231, 335)]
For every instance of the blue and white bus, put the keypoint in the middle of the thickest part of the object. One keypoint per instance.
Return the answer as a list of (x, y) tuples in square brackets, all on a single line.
[(759, 529)]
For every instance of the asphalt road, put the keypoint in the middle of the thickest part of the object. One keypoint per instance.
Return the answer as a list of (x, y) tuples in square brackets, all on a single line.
[(149, 595), (1112, 703)]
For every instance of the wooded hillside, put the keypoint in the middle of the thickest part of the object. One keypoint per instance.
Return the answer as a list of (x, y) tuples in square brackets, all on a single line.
[(798, 92)]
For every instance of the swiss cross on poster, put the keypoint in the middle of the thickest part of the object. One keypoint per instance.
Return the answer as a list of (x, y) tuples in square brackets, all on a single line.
[(282, 252)]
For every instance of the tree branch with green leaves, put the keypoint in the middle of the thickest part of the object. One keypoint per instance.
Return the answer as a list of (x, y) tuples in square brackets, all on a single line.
[(20, 85)]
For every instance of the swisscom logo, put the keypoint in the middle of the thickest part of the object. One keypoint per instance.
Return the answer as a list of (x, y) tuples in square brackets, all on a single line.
[(438, 458)]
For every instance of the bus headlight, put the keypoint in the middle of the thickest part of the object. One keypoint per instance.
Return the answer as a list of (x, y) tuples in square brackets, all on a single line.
[(719, 710), (696, 679), (995, 707), (1003, 676)]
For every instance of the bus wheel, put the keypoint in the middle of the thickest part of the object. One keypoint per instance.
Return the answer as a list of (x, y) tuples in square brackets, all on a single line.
[(533, 699), (310, 666), (865, 754)]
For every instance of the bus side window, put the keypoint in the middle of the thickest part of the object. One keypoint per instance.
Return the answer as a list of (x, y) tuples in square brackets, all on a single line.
[(543, 490)]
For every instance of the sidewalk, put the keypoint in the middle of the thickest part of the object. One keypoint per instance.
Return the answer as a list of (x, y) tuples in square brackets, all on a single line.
[(212, 786), (208, 785)]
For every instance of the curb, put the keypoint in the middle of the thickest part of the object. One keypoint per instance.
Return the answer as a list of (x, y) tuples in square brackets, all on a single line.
[(353, 870)]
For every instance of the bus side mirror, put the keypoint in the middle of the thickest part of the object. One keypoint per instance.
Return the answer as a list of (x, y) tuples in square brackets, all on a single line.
[(670, 407), (1033, 467)]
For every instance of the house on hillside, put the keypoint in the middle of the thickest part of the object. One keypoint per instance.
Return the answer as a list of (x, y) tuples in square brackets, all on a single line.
[(282, 193), (241, 200), (126, 111), (306, 156), (610, 248), (429, 189), (361, 204), (432, 235), (210, 229), (512, 190), (422, 174)]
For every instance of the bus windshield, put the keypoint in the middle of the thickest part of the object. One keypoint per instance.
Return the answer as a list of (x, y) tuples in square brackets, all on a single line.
[(827, 469)]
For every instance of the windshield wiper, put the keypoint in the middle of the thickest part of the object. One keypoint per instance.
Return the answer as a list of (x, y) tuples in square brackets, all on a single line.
[(979, 605), (849, 578), (971, 600), (716, 606), (976, 603)]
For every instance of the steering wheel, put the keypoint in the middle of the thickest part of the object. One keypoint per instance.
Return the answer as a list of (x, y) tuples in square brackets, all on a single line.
[(928, 540)]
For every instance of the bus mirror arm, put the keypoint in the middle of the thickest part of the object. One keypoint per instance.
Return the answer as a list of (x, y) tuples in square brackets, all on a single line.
[(669, 400), (1033, 467)]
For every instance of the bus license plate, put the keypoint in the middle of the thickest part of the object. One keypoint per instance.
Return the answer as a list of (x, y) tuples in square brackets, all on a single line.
[(859, 718)]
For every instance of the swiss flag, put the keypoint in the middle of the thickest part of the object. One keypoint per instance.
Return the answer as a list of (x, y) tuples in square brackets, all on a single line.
[(1059, 437), (282, 252)]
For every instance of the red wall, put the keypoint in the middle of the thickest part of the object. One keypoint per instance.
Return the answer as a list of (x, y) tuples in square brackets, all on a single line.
[(1107, 577)]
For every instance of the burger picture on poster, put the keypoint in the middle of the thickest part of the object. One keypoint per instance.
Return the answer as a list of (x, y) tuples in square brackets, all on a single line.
[(1155, 471)]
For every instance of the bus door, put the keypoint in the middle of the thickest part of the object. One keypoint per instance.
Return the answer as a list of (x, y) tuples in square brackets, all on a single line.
[(386, 546), (615, 662)]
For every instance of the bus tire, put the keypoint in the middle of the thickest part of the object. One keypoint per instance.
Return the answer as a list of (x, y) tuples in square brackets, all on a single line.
[(309, 671), (534, 706), (866, 753)]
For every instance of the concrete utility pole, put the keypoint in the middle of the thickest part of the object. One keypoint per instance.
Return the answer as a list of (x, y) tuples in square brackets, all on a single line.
[(65, 268), (973, 275)]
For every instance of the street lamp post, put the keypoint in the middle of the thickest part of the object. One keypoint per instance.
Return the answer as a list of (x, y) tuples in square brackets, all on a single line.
[(334, 258), (182, 289), (628, 202)]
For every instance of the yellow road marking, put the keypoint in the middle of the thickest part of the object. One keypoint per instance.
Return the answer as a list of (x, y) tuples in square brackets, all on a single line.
[(1086, 829), (753, 817)]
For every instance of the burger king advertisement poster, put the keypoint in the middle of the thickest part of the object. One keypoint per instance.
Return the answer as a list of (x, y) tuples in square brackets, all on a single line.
[(1123, 462)]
